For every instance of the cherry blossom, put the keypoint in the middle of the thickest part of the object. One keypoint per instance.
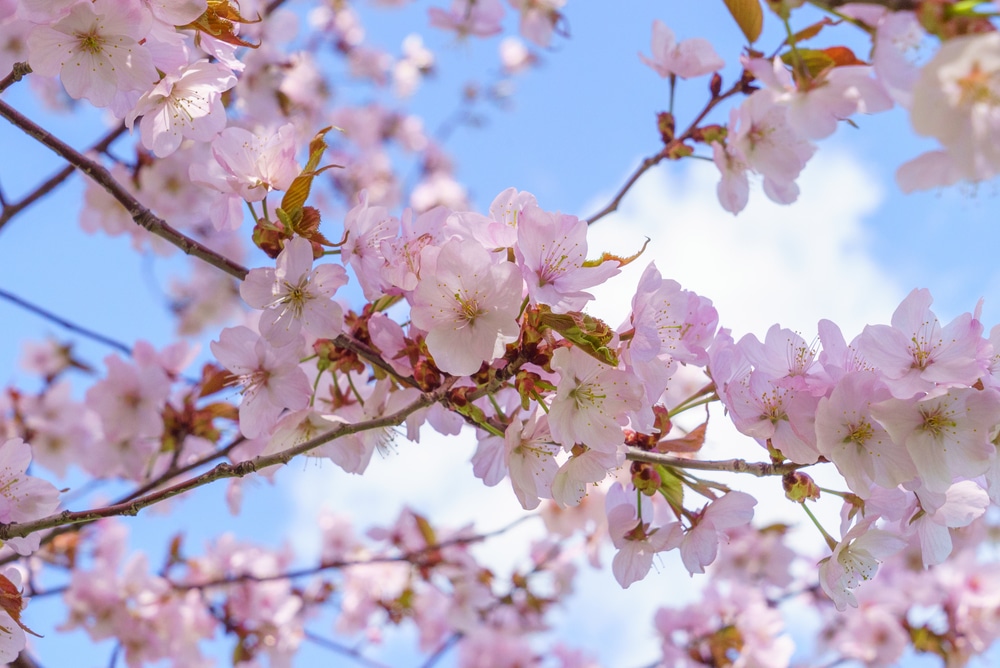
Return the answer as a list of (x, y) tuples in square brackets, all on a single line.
[(468, 305), (686, 59), (955, 101), (23, 497), (295, 296), (855, 559), (95, 50), (270, 376), (591, 402), (186, 105)]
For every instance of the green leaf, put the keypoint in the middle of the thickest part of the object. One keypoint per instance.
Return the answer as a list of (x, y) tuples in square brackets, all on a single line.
[(749, 17), (589, 334), (671, 488), (297, 193)]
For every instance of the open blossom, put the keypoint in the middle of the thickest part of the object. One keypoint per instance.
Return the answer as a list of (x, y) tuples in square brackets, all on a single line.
[(769, 144), (468, 306), (255, 164), (96, 50), (957, 101), (271, 378), (526, 453), (23, 497), (551, 251), (916, 354), (700, 544), (946, 435), (635, 540), (814, 112), (469, 17), (185, 105), (855, 559), (689, 58), (848, 435), (296, 296), (592, 401)]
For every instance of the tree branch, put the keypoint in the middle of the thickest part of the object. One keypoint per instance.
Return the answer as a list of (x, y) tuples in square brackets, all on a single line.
[(140, 214), (50, 184), (654, 160), (18, 72), (66, 324), (347, 563), (219, 472), (759, 469)]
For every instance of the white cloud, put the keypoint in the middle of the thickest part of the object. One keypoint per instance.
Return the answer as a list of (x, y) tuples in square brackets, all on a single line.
[(791, 265)]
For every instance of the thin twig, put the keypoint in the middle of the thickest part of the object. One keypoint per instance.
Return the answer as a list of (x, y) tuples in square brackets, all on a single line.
[(759, 469), (219, 472), (64, 323), (348, 563), (342, 649), (654, 160), (139, 213), (450, 642), (12, 209), (18, 72)]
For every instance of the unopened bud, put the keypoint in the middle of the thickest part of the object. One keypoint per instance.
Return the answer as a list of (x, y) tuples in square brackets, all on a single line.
[(666, 125), (799, 487), (715, 85)]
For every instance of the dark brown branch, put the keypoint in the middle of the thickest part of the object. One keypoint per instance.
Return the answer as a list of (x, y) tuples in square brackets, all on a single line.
[(759, 469), (654, 160), (219, 472), (18, 72), (140, 214), (51, 183), (66, 324)]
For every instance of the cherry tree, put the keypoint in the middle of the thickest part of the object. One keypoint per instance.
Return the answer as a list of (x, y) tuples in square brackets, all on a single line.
[(342, 300)]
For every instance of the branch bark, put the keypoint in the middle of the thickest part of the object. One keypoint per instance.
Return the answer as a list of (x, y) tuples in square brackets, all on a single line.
[(759, 469), (140, 214), (219, 472)]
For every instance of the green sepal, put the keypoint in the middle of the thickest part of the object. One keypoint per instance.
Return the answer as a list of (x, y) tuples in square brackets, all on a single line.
[(589, 334)]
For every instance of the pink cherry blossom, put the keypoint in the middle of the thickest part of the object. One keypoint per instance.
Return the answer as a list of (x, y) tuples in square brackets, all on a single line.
[(634, 538), (591, 402), (468, 305), (962, 503), (367, 227), (855, 559), (469, 17), (526, 454), (270, 376), (668, 320), (296, 296), (700, 544), (848, 435), (686, 59), (551, 251), (733, 190), (23, 497), (916, 354), (955, 101), (947, 435), (814, 113), (255, 164), (95, 50), (185, 105)]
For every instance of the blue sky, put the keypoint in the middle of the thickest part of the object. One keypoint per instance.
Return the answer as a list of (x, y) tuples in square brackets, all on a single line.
[(849, 250)]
